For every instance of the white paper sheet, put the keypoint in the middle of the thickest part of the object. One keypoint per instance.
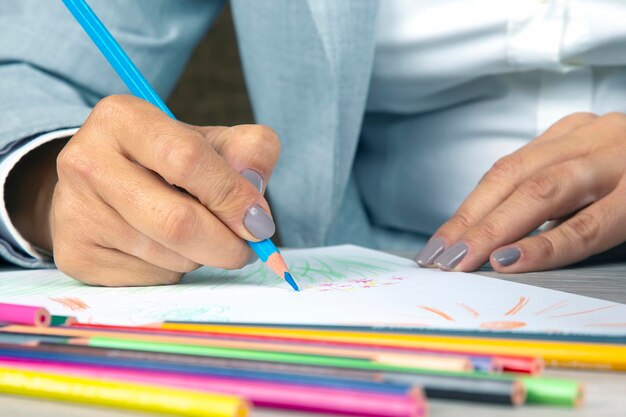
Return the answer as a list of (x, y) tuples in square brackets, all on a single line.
[(343, 285)]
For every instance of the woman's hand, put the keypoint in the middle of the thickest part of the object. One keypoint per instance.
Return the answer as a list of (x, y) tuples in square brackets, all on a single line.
[(573, 174), (141, 198)]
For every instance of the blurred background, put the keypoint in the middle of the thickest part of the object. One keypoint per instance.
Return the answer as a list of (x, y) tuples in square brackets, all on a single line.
[(212, 90)]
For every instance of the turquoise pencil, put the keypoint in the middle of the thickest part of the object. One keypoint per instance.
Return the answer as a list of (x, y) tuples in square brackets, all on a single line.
[(139, 86)]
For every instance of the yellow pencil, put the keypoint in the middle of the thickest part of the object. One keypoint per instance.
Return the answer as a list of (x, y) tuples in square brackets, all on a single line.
[(555, 354), (120, 394)]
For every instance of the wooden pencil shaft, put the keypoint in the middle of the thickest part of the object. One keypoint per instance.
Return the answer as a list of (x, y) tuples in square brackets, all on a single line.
[(484, 362), (442, 387), (275, 395), (193, 360), (34, 353), (567, 354), (119, 395)]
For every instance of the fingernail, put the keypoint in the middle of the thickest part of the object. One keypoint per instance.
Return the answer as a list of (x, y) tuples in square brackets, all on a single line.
[(429, 253), (507, 256), (259, 223), (451, 258), (254, 177)]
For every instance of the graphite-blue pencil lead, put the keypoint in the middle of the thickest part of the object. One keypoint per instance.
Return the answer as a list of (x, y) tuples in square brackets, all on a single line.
[(291, 281)]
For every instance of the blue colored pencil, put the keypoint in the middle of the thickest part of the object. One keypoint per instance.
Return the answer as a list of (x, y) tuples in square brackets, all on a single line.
[(140, 87), (40, 353)]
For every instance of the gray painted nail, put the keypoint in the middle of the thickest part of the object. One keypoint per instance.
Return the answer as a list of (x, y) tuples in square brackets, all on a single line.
[(254, 177), (428, 254), (452, 257), (259, 223), (507, 256)]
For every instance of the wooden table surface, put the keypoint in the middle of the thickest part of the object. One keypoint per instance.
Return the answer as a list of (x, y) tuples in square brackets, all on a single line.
[(606, 392)]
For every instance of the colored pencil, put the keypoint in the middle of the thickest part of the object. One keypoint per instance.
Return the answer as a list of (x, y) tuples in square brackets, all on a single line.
[(192, 360), (42, 353), (497, 334), (264, 394), (424, 361), (21, 314), (124, 395), (494, 390), (225, 349), (562, 354), (480, 362), (62, 321), (140, 87)]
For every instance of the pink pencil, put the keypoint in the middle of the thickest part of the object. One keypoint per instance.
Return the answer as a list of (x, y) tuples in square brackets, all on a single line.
[(274, 395), (28, 315)]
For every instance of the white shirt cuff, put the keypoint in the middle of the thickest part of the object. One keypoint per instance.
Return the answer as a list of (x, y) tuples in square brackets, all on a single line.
[(6, 165)]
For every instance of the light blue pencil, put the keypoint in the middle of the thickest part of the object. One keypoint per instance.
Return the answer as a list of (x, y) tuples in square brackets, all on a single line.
[(139, 86)]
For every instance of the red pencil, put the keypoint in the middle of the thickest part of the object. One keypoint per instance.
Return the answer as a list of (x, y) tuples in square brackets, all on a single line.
[(513, 364)]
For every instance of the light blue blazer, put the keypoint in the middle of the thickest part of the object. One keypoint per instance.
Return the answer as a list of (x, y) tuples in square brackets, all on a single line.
[(307, 66)]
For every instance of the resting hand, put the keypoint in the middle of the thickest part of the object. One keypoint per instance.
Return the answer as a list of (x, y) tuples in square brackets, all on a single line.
[(142, 199), (574, 174)]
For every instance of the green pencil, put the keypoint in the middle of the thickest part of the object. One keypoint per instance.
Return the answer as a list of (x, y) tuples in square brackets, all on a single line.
[(551, 391)]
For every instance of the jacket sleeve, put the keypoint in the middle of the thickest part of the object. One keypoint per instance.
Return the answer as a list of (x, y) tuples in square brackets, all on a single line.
[(51, 74)]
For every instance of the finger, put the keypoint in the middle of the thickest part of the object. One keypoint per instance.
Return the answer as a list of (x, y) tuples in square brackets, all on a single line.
[(105, 227), (97, 265), (118, 234), (503, 178), (167, 216), (183, 157), (552, 193), (251, 150), (593, 230)]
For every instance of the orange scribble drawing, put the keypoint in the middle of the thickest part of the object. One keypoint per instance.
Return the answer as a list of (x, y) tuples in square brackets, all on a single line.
[(473, 312), (502, 325), (437, 312), (71, 303), (518, 307), (577, 313), (556, 306)]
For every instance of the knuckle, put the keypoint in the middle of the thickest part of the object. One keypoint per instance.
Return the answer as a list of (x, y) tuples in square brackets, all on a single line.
[(541, 187), (545, 247), (177, 223), (260, 137), (613, 124), (74, 161), (613, 118), (505, 169), (583, 227), (460, 220), (182, 157), (232, 195), (577, 118), (112, 107), (490, 231)]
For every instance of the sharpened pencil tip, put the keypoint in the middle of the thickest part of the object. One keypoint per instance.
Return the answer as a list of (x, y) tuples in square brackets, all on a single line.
[(291, 281)]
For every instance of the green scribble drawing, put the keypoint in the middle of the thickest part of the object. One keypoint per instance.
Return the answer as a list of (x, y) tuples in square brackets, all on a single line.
[(308, 269)]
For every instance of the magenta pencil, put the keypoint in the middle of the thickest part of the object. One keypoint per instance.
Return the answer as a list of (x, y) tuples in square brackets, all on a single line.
[(263, 394), (28, 315)]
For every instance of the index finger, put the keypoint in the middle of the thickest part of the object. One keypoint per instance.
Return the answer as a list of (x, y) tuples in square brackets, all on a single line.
[(502, 179)]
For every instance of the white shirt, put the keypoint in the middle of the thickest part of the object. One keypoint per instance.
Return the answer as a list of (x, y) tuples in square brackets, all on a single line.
[(457, 84)]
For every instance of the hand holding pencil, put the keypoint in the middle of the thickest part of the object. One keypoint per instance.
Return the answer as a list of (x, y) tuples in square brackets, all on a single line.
[(114, 203), (142, 198)]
